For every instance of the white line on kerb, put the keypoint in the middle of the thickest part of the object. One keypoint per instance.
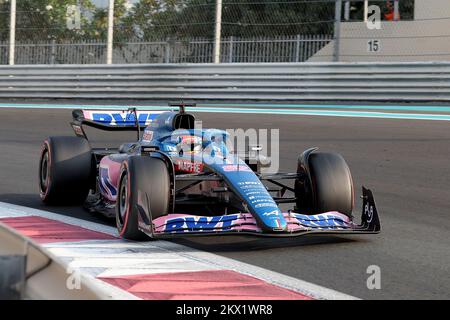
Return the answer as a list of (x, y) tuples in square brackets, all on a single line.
[(195, 255)]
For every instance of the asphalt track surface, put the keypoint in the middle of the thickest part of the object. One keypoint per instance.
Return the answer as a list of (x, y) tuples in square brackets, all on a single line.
[(405, 162)]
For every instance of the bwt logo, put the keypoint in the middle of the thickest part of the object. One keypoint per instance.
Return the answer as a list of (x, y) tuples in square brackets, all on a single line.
[(321, 220), (122, 119), (199, 223)]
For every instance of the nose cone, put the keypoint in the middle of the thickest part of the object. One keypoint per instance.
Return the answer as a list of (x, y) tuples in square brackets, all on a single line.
[(273, 220), (258, 200)]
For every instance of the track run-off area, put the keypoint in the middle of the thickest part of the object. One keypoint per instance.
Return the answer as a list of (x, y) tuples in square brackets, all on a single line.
[(400, 152)]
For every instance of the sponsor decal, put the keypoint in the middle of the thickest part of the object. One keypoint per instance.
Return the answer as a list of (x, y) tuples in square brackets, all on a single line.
[(117, 118), (271, 213), (267, 197), (170, 148), (368, 211), (147, 136), (257, 192), (78, 130), (186, 224), (249, 183), (235, 167), (188, 166), (190, 140), (251, 187), (321, 221), (267, 204)]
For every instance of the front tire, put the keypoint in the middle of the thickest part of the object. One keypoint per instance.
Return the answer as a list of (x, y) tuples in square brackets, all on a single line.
[(65, 170), (330, 187), (141, 177)]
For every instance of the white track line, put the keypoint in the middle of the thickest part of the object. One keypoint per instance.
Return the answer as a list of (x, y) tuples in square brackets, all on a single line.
[(165, 253)]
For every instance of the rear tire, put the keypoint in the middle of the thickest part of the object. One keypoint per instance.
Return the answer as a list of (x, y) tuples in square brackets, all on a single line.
[(141, 177), (331, 185), (65, 170)]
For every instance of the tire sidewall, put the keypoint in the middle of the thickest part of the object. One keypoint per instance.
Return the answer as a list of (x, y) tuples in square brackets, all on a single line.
[(45, 149), (122, 226), (129, 227), (70, 170), (142, 178)]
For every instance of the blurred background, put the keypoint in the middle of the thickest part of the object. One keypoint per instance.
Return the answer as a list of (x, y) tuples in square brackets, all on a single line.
[(226, 31)]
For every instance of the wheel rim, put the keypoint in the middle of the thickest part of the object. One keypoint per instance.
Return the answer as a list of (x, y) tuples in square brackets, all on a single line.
[(44, 172), (123, 198)]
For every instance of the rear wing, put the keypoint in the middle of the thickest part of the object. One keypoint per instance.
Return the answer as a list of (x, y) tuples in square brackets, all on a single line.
[(115, 119), (112, 120), (119, 120)]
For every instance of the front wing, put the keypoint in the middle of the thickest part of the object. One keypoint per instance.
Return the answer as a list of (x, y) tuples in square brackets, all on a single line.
[(298, 224)]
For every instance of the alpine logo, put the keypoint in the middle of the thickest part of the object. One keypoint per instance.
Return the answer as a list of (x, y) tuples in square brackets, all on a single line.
[(271, 213)]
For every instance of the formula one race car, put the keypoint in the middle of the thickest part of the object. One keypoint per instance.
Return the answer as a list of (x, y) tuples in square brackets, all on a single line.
[(176, 180)]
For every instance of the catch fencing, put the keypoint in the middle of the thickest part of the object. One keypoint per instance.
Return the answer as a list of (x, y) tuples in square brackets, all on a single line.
[(296, 48), (223, 31)]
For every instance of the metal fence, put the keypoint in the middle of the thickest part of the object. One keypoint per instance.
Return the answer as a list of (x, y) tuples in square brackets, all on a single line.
[(298, 48), (4, 48), (231, 81)]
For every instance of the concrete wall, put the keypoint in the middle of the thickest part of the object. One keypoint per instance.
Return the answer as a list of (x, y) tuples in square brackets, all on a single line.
[(428, 9), (425, 39)]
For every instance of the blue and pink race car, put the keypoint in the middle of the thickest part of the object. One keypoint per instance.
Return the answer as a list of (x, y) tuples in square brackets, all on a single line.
[(176, 180)]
